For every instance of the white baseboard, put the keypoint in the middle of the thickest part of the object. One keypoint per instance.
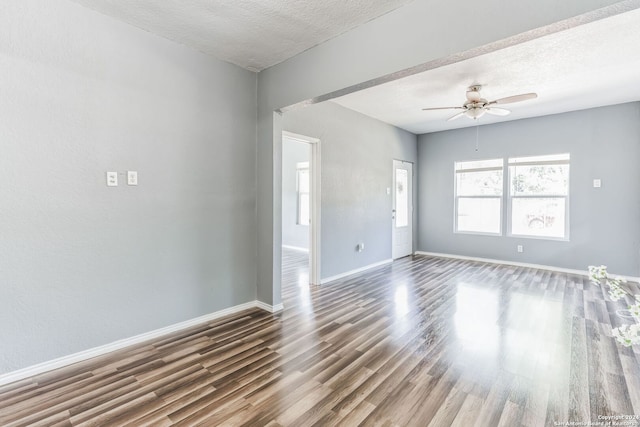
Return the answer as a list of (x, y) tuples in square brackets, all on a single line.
[(356, 271), (520, 264), (270, 308), (295, 248), (50, 365)]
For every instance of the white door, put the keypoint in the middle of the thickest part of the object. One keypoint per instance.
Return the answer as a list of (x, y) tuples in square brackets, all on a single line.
[(402, 214)]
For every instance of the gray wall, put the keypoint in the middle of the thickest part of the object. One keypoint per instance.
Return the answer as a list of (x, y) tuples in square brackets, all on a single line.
[(293, 234), (401, 39), (81, 264), (357, 164), (604, 223)]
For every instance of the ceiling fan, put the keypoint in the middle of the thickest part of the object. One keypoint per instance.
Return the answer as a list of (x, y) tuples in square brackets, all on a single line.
[(476, 106)]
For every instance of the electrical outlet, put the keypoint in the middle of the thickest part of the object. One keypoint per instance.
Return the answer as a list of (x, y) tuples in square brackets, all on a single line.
[(520, 248), (132, 178), (597, 183)]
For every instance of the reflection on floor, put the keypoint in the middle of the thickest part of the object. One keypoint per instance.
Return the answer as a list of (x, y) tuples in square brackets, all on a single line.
[(424, 341), (295, 277), (494, 345)]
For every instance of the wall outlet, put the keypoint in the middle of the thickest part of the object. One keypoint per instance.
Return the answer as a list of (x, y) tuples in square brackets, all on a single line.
[(112, 179), (360, 247), (520, 248), (132, 178), (597, 183)]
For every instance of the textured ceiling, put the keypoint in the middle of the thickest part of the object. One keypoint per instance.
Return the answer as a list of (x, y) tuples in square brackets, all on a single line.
[(588, 66), (254, 34)]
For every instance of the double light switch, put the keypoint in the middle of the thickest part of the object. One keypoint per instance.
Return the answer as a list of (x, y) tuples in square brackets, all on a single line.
[(112, 178)]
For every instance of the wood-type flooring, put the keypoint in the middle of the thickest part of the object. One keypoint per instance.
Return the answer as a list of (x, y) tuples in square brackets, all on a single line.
[(424, 341)]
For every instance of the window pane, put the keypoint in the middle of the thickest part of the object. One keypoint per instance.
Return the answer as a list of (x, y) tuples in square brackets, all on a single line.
[(482, 183), (402, 198), (540, 159), (303, 193), (479, 215), (303, 180), (539, 180), (478, 164), (304, 209), (538, 217)]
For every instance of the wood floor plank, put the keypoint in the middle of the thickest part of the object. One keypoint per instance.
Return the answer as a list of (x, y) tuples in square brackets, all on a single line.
[(422, 341), (467, 415)]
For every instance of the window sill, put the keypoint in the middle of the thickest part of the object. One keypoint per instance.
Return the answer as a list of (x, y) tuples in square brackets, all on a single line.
[(524, 236), (478, 233)]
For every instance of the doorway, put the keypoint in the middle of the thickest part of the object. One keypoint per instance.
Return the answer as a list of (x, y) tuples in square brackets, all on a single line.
[(301, 204), (402, 209)]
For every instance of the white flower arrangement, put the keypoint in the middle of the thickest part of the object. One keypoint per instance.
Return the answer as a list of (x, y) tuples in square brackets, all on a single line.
[(627, 335)]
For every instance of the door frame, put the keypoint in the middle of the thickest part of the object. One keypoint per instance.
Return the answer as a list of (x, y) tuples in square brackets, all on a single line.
[(315, 187), (412, 204)]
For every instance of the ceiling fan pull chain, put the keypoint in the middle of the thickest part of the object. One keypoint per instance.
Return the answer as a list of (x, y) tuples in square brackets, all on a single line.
[(477, 133)]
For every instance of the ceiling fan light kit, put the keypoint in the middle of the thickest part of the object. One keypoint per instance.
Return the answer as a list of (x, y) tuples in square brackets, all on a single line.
[(474, 112), (476, 106)]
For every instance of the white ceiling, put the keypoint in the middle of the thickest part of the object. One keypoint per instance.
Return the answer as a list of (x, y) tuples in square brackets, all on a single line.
[(254, 34), (588, 66)]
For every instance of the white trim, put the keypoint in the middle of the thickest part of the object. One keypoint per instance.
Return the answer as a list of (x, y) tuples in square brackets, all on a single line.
[(356, 271), (299, 138), (316, 214), (295, 248), (270, 308), (520, 264), (315, 211), (63, 361)]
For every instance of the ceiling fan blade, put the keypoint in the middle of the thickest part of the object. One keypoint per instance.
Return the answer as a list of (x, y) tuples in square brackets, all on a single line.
[(498, 111), (515, 98), (443, 108), (457, 116)]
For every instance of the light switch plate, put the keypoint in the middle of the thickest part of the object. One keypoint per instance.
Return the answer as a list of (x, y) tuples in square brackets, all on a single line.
[(597, 183), (112, 179), (132, 177)]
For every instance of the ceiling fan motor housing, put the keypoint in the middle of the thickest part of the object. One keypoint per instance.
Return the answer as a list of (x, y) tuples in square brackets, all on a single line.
[(473, 93)]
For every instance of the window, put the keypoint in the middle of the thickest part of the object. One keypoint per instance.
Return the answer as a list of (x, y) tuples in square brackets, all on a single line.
[(538, 196), (402, 198), (478, 199), (302, 179)]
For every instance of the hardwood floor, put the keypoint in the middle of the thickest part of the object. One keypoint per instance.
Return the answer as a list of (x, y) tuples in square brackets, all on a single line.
[(423, 341)]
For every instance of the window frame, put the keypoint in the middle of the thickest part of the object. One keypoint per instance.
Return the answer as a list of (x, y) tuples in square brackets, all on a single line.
[(456, 197), (511, 197)]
